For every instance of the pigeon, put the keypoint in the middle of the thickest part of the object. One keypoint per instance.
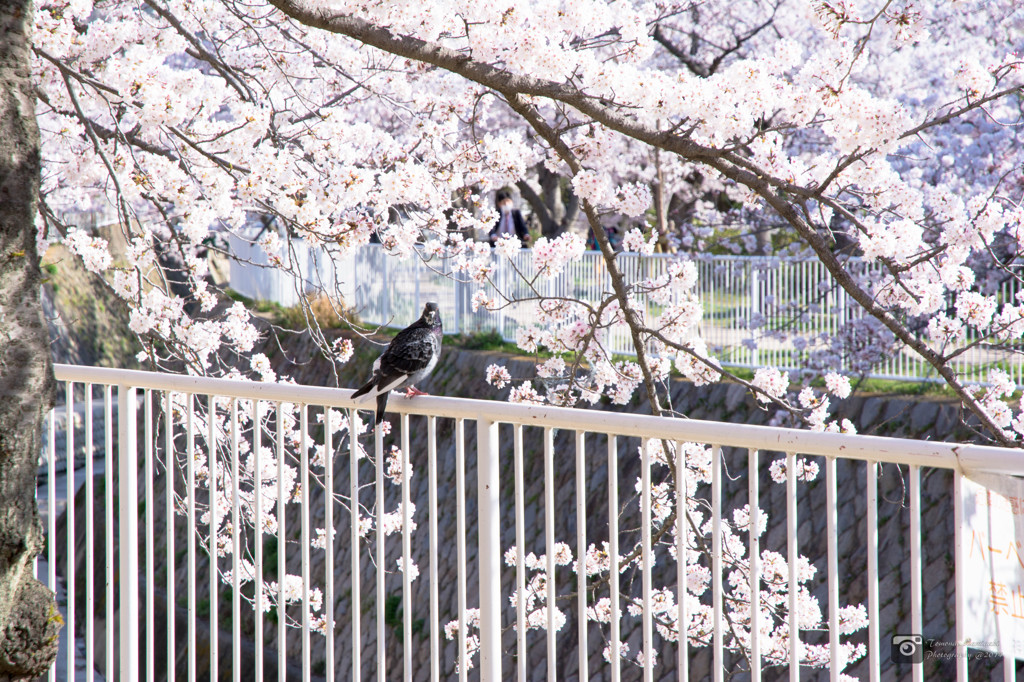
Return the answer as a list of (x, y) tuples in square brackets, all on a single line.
[(410, 357)]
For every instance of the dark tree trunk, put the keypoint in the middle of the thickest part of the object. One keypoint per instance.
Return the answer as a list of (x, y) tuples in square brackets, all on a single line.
[(554, 212), (548, 225), (29, 620)]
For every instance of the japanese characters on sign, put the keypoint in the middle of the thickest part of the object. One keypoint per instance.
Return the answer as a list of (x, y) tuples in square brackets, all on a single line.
[(993, 556)]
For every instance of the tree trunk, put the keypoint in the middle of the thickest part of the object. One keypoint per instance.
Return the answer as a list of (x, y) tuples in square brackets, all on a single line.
[(660, 207), (554, 214), (29, 620)]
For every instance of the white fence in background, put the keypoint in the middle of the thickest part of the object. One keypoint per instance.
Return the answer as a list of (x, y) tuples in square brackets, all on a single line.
[(758, 311), (253, 275), (597, 469)]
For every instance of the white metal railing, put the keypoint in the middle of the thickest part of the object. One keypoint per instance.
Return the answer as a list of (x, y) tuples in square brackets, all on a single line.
[(174, 477), (758, 311)]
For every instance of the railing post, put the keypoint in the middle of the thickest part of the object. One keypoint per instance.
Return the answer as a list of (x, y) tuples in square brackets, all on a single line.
[(959, 576), (128, 537), (490, 550)]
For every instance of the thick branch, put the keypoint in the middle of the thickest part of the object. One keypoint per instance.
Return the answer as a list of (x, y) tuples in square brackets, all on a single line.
[(485, 74)]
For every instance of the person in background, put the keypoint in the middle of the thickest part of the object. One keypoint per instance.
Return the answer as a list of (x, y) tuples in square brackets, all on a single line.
[(613, 239), (511, 221)]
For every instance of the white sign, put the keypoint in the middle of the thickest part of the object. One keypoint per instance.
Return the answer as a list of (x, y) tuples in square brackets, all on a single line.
[(993, 536)]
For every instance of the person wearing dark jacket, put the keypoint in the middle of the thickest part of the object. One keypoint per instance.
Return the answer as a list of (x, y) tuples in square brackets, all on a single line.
[(511, 221)]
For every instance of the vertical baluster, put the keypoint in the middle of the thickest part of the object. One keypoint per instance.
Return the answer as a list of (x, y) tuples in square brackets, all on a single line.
[(90, 539), (832, 526), (51, 514), (211, 447), (304, 536), (329, 542), (960, 577), (791, 528), (169, 467), (257, 497), (150, 556), (682, 550), (128, 499), (753, 487), (549, 534), (613, 554), (716, 561), (489, 538), (435, 618), (282, 550), (356, 591), (874, 655), (69, 476), (916, 620), (460, 521), (646, 559), (190, 458), (406, 555), (381, 593), (236, 545), (521, 651), (581, 550), (108, 469)]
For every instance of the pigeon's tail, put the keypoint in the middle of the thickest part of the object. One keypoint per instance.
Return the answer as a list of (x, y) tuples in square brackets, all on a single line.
[(365, 389), (382, 402)]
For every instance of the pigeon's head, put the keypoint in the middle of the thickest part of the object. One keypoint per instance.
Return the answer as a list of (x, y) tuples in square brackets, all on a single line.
[(431, 315)]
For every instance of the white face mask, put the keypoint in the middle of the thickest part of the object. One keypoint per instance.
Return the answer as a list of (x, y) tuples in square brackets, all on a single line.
[(505, 207)]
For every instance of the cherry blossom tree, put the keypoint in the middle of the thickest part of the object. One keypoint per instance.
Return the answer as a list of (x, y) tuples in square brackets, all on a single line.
[(884, 132)]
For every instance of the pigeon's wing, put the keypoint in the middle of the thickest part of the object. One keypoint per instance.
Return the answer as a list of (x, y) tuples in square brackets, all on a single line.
[(413, 351), (365, 388), (407, 354), (410, 352)]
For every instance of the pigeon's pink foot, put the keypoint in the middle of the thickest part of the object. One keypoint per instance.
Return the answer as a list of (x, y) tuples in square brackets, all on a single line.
[(412, 392)]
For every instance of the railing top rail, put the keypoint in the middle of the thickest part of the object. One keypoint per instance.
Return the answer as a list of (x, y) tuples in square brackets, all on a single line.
[(965, 457)]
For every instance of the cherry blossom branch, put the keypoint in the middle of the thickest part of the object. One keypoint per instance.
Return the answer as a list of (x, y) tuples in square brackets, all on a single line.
[(530, 114), (122, 202), (957, 113), (696, 67), (199, 51)]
